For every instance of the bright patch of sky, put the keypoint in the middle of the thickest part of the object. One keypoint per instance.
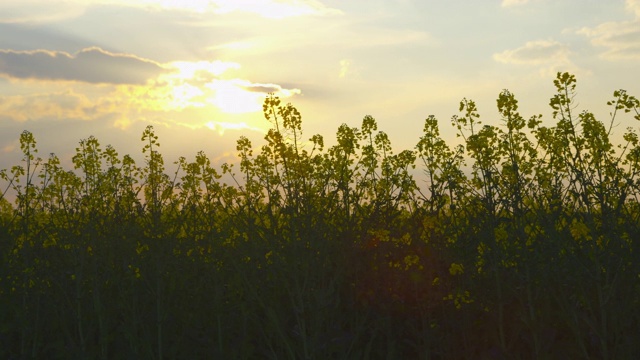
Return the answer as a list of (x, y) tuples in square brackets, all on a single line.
[(198, 70)]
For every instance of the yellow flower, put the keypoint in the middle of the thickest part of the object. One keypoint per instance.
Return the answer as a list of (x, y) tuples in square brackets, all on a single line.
[(579, 230), (410, 260), (456, 269)]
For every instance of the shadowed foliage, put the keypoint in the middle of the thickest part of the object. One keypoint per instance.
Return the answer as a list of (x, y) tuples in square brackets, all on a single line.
[(522, 244)]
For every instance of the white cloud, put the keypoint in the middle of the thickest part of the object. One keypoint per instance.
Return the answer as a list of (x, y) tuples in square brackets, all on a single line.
[(549, 56), (535, 53), (620, 39), (634, 6)]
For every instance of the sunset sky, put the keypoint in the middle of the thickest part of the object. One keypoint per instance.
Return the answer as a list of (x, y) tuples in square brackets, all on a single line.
[(198, 70)]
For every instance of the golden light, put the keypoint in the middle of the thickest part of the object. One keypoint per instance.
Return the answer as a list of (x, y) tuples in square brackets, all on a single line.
[(221, 126), (202, 85), (231, 97), (199, 83), (234, 45), (344, 68), (184, 96), (274, 9), (195, 5), (190, 69)]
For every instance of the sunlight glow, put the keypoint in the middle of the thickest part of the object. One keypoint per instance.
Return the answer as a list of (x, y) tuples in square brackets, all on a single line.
[(204, 85), (199, 84), (183, 96), (235, 45), (220, 127), (193, 5), (231, 98), (191, 69), (344, 68), (634, 6), (274, 9)]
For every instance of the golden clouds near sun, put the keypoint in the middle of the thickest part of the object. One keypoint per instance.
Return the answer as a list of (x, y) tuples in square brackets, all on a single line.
[(210, 89), (191, 69), (232, 98), (183, 95), (201, 84), (207, 83), (192, 93)]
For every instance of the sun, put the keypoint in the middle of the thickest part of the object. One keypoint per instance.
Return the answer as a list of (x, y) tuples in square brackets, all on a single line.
[(232, 98), (206, 83)]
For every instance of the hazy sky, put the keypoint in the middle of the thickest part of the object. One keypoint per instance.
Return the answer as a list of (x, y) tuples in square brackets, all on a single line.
[(198, 70)]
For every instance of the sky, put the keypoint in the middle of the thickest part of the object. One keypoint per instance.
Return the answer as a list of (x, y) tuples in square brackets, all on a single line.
[(199, 70)]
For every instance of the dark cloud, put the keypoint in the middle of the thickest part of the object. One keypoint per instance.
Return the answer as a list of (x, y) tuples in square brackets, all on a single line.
[(149, 33), (263, 88), (27, 37), (91, 65)]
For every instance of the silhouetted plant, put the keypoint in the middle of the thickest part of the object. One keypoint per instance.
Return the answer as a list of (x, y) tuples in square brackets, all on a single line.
[(530, 251)]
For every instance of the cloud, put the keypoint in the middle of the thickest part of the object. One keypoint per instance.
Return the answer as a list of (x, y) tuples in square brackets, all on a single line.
[(58, 105), (621, 40), (203, 83), (237, 96), (197, 72), (220, 127), (549, 56), (634, 6), (191, 91), (539, 52), (90, 65), (535, 53), (28, 37), (267, 88), (10, 147)]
